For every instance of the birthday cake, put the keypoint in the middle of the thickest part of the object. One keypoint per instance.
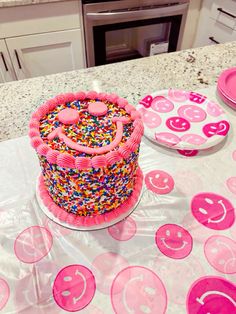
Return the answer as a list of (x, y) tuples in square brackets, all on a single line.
[(88, 147)]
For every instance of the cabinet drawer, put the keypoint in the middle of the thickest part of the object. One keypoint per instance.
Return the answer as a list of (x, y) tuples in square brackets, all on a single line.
[(219, 33), (39, 18), (224, 12)]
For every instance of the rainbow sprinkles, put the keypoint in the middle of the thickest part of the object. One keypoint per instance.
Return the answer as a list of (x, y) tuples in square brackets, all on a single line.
[(88, 147)]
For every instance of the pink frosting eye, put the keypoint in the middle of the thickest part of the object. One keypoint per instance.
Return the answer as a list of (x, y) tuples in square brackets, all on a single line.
[(68, 116), (97, 108)]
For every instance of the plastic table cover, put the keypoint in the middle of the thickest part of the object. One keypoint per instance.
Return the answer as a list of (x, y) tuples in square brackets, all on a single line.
[(176, 253)]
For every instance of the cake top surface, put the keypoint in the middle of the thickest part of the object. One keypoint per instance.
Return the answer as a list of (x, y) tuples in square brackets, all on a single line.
[(85, 129)]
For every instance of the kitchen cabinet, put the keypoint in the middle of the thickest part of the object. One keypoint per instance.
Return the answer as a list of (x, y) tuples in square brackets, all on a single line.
[(43, 54), (6, 69), (41, 39), (217, 23)]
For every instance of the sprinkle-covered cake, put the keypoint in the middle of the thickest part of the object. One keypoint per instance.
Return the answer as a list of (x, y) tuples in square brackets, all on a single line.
[(88, 147)]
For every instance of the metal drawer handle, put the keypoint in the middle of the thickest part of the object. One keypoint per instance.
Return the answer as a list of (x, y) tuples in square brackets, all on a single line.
[(4, 62), (214, 41), (17, 58), (227, 13)]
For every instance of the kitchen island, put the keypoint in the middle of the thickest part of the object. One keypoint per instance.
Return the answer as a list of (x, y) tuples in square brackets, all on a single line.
[(166, 257), (189, 69)]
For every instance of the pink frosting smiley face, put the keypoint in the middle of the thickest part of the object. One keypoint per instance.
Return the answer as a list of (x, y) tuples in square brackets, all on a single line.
[(74, 288), (105, 268), (213, 211), (187, 153), (32, 244), (174, 241), (192, 113), (159, 182), (213, 295), (138, 290), (150, 119), (178, 124), (123, 230), (197, 98), (161, 104), (4, 293), (146, 101), (220, 252), (178, 95)]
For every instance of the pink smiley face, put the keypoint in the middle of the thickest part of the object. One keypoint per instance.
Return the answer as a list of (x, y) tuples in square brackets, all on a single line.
[(174, 241), (220, 252), (33, 292), (159, 182), (219, 128), (187, 153), (138, 290), (32, 244), (231, 184), (197, 98), (123, 230), (105, 267), (192, 113), (74, 288), (214, 110), (178, 124), (146, 101), (213, 211), (69, 117), (168, 139), (193, 139), (210, 294), (4, 293), (161, 104), (150, 119), (178, 95)]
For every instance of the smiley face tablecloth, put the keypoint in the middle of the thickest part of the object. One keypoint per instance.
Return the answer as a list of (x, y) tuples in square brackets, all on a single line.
[(176, 253)]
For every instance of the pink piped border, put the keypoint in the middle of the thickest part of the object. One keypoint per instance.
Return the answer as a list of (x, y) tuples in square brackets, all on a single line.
[(74, 220), (68, 161)]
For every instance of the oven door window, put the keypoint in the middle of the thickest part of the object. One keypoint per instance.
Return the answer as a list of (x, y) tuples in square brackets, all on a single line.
[(136, 39)]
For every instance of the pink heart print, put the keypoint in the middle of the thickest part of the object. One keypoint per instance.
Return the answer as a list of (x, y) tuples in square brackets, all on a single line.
[(214, 109), (169, 139), (150, 119), (4, 293), (137, 289), (74, 288), (174, 241), (178, 95), (146, 101), (178, 124), (219, 128), (214, 295), (192, 113), (197, 98), (162, 104), (220, 252), (213, 211)]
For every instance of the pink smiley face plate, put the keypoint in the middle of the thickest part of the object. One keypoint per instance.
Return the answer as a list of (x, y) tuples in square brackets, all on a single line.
[(183, 120)]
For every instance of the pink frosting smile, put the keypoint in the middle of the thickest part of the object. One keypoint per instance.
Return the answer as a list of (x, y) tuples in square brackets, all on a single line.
[(88, 150)]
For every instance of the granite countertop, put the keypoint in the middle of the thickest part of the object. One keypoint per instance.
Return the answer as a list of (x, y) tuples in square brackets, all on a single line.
[(188, 69), (14, 3)]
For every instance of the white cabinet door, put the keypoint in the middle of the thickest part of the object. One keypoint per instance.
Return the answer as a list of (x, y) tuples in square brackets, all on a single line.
[(48, 53), (6, 69)]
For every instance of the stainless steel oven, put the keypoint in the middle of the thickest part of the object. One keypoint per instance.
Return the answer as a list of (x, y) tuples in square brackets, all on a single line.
[(127, 29)]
